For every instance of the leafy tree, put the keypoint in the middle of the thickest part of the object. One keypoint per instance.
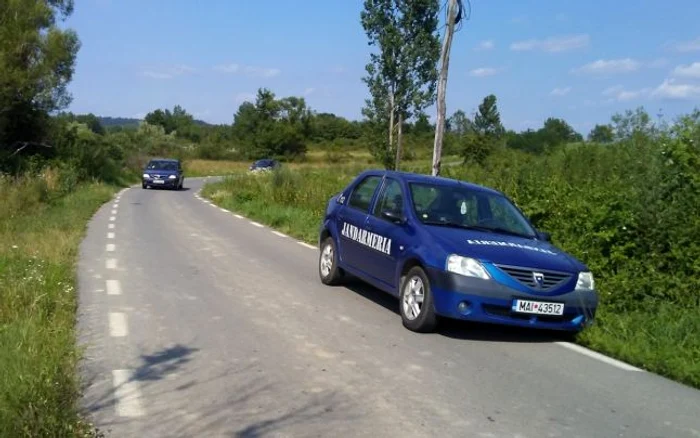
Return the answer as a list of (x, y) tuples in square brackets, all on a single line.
[(459, 123), (487, 132), (402, 77), (37, 60), (602, 134), (633, 124), (557, 131)]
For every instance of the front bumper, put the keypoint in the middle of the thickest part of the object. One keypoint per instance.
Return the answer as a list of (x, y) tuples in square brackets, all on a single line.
[(166, 182), (491, 302)]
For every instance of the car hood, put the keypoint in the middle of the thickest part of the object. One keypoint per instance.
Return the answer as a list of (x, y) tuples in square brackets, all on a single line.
[(503, 249)]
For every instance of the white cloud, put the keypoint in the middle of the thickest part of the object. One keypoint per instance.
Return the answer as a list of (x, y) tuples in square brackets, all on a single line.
[(686, 46), (553, 44), (612, 66), (485, 45), (669, 89), (228, 68), (483, 72), (265, 72), (309, 91), (245, 97), (620, 94), (560, 91), (688, 71), (169, 73), (658, 63)]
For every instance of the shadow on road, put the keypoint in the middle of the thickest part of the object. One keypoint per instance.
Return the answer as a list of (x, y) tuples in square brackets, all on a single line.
[(464, 330), (234, 399)]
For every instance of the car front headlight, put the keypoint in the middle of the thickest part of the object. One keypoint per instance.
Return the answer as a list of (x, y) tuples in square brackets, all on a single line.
[(585, 281), (145, 175), (466, 266), (172, 177)]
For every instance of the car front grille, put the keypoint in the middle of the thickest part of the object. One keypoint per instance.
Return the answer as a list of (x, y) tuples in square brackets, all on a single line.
[(527, 277)]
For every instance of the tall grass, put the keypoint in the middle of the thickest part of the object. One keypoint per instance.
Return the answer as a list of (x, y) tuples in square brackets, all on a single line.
[(42, 219), (628, 211)]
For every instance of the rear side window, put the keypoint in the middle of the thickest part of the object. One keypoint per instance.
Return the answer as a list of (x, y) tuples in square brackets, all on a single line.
[(362, 195)]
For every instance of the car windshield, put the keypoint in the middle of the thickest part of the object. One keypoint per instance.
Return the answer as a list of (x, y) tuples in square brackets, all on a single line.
[(162, 165), (463, 207)]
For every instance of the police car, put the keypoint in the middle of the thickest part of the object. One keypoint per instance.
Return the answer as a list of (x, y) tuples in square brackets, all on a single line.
[(447, 248)]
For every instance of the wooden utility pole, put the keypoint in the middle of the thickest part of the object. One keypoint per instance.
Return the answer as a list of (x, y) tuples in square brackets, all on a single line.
[(442, 86)]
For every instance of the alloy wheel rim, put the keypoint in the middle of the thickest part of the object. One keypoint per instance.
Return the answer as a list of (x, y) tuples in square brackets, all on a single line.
[(413, 297)]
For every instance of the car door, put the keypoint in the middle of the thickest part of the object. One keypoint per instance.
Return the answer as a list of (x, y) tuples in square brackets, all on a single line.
[(352, 222), (392, 232)]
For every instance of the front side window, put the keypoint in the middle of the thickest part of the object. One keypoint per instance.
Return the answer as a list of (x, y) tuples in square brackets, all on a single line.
[(464, 207), (362, 195), (391, 199)]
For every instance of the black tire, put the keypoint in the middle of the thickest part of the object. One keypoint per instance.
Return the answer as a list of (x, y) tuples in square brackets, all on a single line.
[(144, 186), (334, 274), (427, 320)]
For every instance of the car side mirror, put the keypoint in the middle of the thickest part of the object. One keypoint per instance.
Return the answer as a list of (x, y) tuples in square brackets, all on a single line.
[(397, 218), (543, 235)]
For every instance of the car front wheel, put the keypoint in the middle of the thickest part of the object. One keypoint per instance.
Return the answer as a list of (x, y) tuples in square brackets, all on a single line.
[(328, 263), (416, 302)]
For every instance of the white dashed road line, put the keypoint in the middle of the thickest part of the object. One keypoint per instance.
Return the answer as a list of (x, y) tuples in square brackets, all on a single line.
[(127, 394), (113, 287), (256, 224), (114, 211), (111, 264), (224, 210), (110, 235), (306, 245), (111, 247), (112, 218), (110, 226), (598, 356), (117, 325), (277, 233), (238, 216)]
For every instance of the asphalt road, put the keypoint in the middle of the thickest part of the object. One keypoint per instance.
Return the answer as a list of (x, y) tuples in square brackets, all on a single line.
[(197, 322)]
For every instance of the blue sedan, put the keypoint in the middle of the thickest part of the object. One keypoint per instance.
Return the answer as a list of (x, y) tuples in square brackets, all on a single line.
[(451, 249)]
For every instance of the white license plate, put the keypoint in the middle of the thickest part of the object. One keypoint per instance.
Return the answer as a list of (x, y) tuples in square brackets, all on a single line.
[(158, 181), (537, 307)]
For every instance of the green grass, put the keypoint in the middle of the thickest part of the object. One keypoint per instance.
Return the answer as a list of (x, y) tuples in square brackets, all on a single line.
[(659, 335), (40, 231)]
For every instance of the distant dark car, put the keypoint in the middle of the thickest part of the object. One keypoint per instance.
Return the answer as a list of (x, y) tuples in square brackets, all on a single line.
[(264, 165), (163, 172)]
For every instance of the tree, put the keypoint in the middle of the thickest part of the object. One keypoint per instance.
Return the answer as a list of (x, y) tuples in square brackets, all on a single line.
[(401, 77), (602, 134), (459, 123), (488, 130), (557, 131), (37, 61)]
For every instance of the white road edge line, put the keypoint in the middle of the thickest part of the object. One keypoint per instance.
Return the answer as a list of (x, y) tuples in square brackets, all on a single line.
[(112, 218), (111, 264), (117, 324), (110, 235), (111, 247), (256, 224), (306, 245), (224, 210), (238, 216), (277, 233), (114, 211), (113, 286), (601, 357), (110, 226), (127, 394)]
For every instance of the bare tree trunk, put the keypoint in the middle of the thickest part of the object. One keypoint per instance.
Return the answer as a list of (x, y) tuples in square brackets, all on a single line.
[(391, 121), (398, 142), (442, 87)]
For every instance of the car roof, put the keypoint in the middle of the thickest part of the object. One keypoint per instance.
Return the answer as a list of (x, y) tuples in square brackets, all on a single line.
[(410, 177), (174, 160)]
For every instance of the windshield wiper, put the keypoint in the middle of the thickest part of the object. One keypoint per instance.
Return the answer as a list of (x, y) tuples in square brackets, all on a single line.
[(497, 230)]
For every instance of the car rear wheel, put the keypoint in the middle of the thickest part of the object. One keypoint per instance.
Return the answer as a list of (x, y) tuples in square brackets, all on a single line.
[(416, 302), (328, 263), (144, 186)]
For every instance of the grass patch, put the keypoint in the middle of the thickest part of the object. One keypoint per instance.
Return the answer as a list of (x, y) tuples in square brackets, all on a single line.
[(40, 231), (656, 332)]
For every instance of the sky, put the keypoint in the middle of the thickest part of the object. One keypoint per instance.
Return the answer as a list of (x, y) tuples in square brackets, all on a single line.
[(582, 61)]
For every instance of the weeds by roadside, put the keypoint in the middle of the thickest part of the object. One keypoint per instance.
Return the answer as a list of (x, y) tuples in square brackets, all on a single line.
[(41, 225)]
